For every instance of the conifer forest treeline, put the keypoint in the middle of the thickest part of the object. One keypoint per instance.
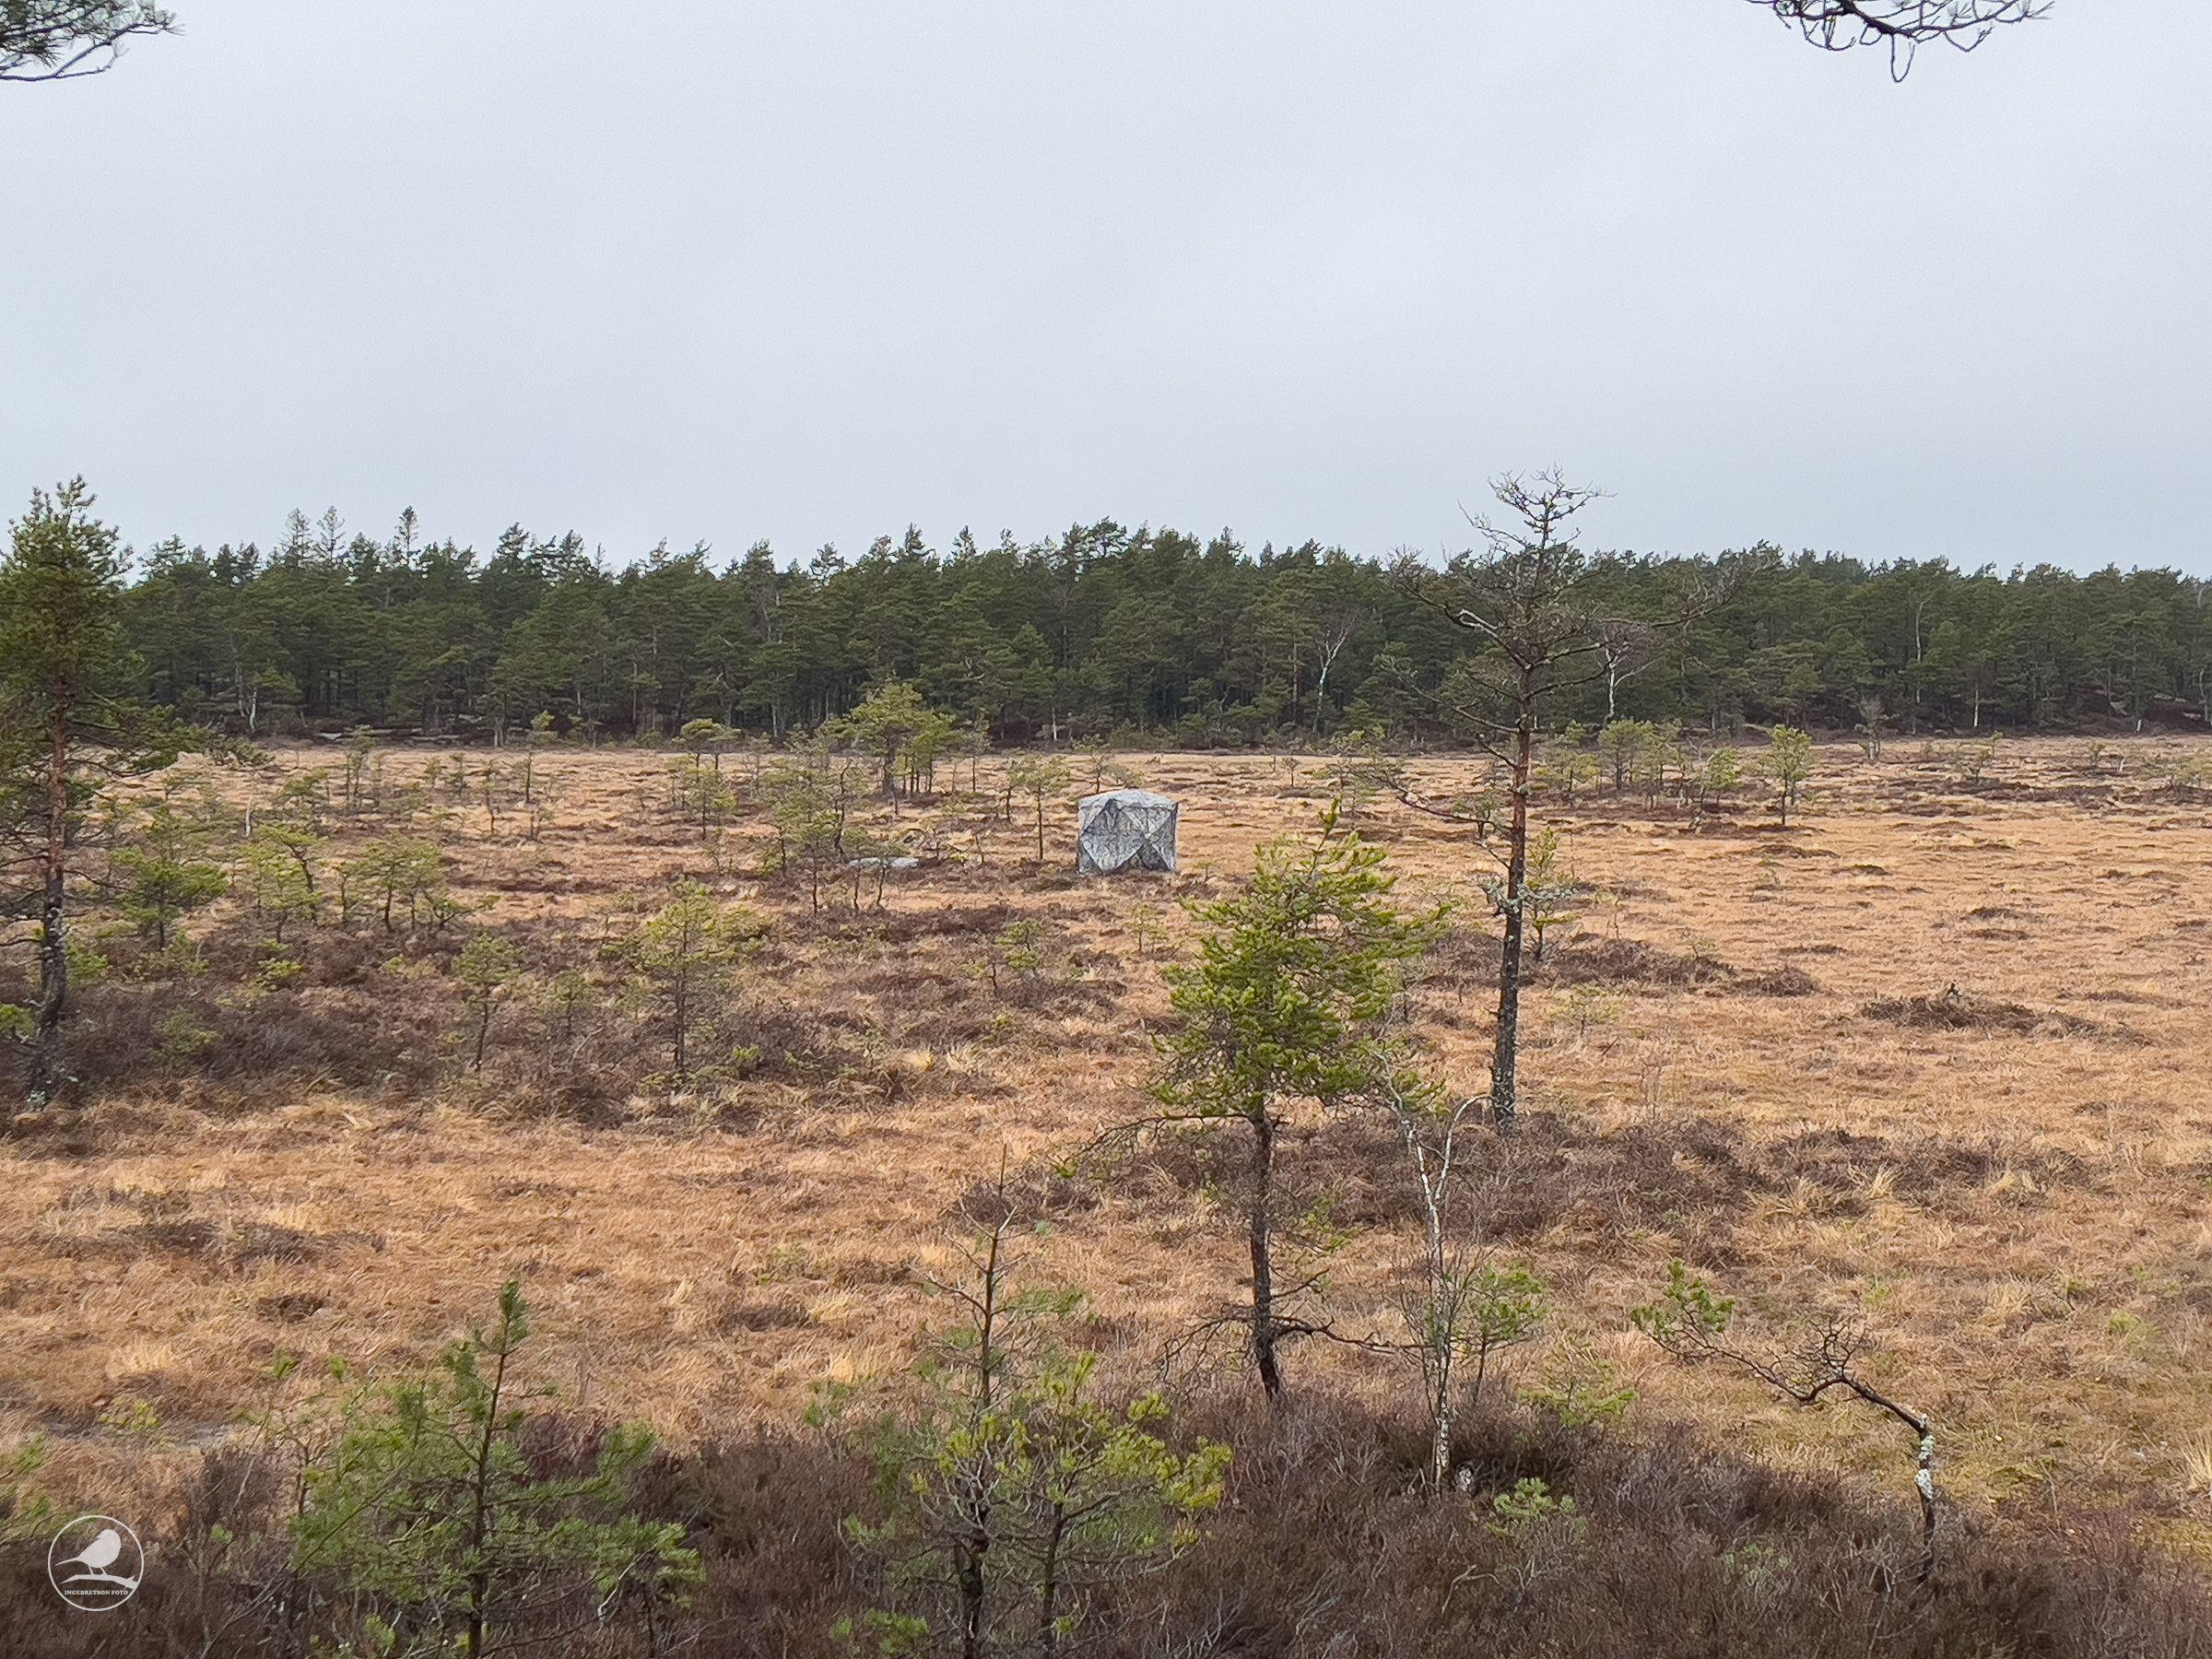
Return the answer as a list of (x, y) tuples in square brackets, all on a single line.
[(1101, 629)]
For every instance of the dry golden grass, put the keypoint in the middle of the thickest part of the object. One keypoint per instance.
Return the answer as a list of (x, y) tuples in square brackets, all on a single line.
[(2011, 1184)]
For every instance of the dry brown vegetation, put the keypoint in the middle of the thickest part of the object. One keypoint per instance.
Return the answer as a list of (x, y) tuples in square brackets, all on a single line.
[(1935, 1054)]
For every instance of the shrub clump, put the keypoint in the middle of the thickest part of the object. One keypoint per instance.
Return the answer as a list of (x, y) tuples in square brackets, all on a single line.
[(1955, 1010)]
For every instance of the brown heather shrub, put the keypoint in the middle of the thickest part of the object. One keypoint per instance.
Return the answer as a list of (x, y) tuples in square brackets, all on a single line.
[(346, 1019), (949, 921), (1325, 1547), (1939, 1170), (247, 1050), (1468, 964), (1788, 980), (1955, 1010), (1628, 962), (1696, 1178), (1042, 1191)]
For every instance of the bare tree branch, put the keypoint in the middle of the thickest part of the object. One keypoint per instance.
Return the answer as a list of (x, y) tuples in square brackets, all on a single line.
[(1691, 1323), (1903, 25)]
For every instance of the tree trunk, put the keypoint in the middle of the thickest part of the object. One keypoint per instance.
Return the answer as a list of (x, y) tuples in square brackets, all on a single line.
[(479, 1516), (49, 1051), (1048, 1632), (1443, 1320), (1440, 1443), (1505, 1056), (1262, 1256), (970, 1556), (969, 1574), (1924, 1483), (681, 999)]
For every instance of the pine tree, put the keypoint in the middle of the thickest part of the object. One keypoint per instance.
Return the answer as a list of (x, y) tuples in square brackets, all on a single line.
[(1541, 627), (164, 878), (684, 952), (487, 964), (430, 1511), (1012, 1491), (1286, 1006), (887, 724), (70, 727), (1789, 763), (1039, 777)]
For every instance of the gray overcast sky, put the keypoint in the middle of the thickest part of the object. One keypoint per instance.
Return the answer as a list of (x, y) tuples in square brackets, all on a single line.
[(808, 272)]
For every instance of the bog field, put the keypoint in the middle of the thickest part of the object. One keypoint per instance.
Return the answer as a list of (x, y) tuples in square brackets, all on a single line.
[(1933, 1055)]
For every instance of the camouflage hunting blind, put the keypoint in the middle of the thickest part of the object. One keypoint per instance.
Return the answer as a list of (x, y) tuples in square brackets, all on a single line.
[(1125, 829)]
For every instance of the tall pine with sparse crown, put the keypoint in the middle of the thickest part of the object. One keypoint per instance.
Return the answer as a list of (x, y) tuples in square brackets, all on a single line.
[(69, 727)]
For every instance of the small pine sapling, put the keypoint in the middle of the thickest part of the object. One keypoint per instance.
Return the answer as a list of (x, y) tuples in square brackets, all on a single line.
[(1149, 931), (1621, 747), (1548, 890), (487, 968), (541, 794), (540, 733), (164, 879), (280, 875), (1788, 763), (360, 754), (569, 995), (1013, 1493), (1970, 761), (393, 870), (683, 954), (426, 1506), (1288, 1004), (1040, 778), (1873, 727), (1016, 957), (1707, 780)]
